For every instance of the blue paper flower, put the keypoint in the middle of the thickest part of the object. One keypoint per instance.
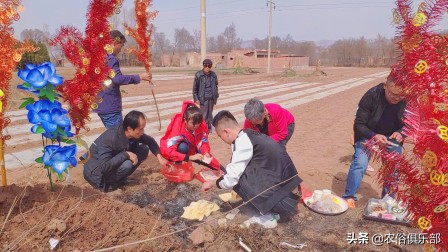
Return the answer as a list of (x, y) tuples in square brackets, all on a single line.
[(59, 157), (49, 115), (56, 133), (38, 76), (29, 89)]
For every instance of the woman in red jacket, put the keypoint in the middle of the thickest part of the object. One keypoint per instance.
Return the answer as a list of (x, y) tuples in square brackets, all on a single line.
[(186, 138), (270, 119)]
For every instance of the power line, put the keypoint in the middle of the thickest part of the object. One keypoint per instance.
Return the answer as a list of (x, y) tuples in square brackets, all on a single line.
[(231, 14), (220, 15), (337, 4), (332, 8), (196, 7)]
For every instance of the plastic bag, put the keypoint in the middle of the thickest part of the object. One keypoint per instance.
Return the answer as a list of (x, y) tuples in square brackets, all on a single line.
[(326, 204), (178, 173)]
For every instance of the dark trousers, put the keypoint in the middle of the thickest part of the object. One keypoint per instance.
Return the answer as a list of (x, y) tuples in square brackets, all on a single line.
[(119, 175), (286, 208), (290, 132), (207, 112)]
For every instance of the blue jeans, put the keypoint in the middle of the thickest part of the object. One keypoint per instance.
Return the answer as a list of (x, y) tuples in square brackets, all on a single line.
[(112, 119), (358, 168)]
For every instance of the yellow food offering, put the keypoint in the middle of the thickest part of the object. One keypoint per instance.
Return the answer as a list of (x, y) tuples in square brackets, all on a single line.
[(230, 197), (199, 209)]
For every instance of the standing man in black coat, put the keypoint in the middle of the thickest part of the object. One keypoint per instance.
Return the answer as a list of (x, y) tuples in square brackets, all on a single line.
[(118, 152), (205, 91)]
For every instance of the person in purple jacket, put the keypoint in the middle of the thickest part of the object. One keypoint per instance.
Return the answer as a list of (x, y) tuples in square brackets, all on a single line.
[(110, 109)]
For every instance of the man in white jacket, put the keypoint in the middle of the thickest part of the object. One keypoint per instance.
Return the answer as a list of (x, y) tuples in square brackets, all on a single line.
[(259, 171)]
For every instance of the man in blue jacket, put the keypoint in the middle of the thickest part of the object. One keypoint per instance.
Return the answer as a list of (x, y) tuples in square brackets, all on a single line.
[(109, 109)]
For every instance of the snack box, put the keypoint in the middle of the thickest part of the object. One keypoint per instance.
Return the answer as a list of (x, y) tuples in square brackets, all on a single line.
[(378, 210)]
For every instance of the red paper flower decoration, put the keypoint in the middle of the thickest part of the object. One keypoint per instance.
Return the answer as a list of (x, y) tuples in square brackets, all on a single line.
[(89, 56), (142, 32), (10, 55), (422, 71)]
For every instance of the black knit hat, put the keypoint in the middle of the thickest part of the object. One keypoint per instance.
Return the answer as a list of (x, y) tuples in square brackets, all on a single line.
[(207, 61)]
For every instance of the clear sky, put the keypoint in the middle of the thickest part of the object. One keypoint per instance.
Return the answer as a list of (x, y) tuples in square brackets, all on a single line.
[(302, 19)]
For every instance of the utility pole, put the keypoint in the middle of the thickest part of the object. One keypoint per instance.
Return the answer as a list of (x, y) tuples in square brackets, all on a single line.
[(203, 33), (271, 5)]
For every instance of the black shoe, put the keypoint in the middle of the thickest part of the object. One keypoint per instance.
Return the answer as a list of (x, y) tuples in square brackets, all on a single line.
[(127, 181)]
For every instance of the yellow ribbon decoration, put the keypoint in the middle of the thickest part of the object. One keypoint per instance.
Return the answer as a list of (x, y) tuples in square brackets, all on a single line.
[(1, 98)]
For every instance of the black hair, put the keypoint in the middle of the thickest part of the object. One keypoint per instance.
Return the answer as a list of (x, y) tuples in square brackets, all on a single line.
[(132, 119), (224, 116), (391, 79), (117, 35), (193, 113)]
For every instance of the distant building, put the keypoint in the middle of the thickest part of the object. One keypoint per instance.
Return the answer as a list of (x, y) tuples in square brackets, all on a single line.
[(241, 58)]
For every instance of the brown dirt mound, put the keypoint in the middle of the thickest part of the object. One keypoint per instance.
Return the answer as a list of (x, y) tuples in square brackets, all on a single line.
[(86, 219), (81, 218)]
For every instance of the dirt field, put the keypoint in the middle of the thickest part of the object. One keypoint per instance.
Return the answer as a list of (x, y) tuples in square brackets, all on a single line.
[(85, 219)]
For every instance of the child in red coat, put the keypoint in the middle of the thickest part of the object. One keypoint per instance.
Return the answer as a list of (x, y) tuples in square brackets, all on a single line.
[(186, 139)]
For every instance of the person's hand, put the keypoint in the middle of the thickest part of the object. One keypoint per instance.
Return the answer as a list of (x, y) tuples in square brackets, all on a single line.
[(132, 157), (197, 102), (397, 136), (145, 76), (161, 159), (207, 185), (381, 140), (207, 158), (196, 156)]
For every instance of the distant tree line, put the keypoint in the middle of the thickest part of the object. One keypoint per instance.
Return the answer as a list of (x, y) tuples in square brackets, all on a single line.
[(347, 52)]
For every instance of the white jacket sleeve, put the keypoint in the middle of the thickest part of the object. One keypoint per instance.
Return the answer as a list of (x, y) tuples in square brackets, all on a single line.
[(241, 156)]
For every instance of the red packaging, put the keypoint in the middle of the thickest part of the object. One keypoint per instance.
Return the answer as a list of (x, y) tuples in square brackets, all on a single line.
[(178, 173)]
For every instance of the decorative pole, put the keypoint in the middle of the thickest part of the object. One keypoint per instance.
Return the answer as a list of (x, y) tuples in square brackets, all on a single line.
[(142, 34), (11, 54), (2, 162)]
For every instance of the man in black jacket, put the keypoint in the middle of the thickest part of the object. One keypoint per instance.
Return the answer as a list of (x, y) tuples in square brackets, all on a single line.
[(118, 152), (379, 116), (205, 91), (259, 171)]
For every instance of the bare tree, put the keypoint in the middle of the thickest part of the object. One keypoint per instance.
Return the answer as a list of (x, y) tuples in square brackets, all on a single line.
[(212, 44), (231, 41), (35, 35), (259, 43), (183, 40), (162, 45), (197, 40), (221, 44)]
